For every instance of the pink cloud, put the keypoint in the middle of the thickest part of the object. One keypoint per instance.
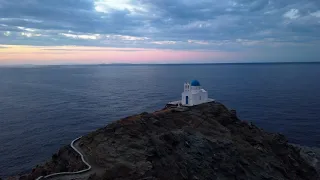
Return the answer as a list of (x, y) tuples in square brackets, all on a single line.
[(91, 55)]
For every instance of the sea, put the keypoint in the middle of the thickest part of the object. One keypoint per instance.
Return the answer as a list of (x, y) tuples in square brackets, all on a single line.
[(45, 107)]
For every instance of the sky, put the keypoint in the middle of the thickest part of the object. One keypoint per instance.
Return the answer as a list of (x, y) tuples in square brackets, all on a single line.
[(158, 31)]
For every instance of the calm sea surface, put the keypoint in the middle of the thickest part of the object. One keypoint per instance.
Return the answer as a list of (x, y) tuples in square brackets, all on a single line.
[(44, 108)]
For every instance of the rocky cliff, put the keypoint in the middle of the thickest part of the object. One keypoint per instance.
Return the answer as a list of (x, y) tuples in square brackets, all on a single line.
[(65, 160), (202, 142)]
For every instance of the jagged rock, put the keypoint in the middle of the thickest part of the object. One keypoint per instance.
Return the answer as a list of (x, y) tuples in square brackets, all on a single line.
[(207, 141), (310, 155), (65, 160)]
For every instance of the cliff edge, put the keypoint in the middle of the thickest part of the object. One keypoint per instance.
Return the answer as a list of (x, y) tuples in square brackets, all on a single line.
[(207, 141)]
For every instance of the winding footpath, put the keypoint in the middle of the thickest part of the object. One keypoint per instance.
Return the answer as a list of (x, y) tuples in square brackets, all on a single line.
[(79, 175)]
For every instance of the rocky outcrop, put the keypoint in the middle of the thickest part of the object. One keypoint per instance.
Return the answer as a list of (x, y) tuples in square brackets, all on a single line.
[(310, 155), (66, 160), (202, 142)]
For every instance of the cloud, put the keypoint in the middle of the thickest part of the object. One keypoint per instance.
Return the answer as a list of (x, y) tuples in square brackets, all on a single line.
[(316, 14), (29, 35), (107, 6), (7, 33), (198, 42), (231, 25), (127, 38), (163, 42), (292, 14), (93, 49), (81, 36)]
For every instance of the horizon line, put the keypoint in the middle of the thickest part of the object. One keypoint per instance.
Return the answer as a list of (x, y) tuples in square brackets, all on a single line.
[(141, 64)]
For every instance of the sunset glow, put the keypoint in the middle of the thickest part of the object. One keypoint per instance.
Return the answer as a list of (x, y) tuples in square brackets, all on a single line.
[(88, 55), (151, 31)]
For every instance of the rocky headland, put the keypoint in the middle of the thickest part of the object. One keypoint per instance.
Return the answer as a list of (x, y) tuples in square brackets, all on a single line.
[(207, 141)]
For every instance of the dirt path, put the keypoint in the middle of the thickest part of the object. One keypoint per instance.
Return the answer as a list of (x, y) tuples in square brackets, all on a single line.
[(92, 167)]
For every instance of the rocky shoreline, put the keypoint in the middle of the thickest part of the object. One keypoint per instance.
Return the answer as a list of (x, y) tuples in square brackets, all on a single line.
[(201, 142), (65, 160)]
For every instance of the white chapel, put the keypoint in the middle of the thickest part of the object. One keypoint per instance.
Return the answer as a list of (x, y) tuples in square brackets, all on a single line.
[(193, 94)]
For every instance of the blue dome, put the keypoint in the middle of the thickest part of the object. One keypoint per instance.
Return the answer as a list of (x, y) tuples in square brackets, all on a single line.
[(195, 83)]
